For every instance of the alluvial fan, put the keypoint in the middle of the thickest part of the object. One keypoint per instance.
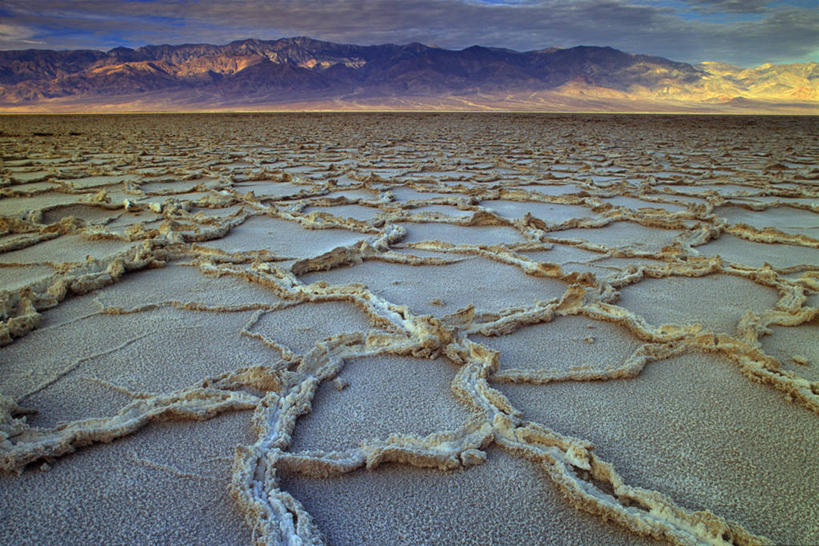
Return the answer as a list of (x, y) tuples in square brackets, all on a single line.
[(409, 328)]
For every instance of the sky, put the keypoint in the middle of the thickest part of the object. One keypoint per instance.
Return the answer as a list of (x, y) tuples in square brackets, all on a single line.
[(741, 32)]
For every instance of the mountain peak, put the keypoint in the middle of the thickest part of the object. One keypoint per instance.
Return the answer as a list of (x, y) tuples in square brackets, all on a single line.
[(310, 71)]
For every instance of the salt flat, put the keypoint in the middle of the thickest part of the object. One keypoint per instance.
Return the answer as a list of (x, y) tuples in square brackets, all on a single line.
[(355, 328)]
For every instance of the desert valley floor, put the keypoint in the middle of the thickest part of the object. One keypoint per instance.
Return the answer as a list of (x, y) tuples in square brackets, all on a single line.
[(409, 328)]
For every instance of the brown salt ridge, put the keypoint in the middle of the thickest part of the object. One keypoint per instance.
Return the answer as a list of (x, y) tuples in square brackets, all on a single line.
[(222, 150)]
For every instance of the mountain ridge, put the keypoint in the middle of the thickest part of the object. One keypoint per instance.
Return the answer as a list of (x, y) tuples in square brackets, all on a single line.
[(307, 73)]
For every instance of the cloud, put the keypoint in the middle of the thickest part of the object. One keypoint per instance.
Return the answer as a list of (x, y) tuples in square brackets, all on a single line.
[(730, 6), (781, 36), (13, 35), (773, 34)]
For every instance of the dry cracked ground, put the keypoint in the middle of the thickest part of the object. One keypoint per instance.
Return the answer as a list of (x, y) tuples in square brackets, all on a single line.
[(409, 328)]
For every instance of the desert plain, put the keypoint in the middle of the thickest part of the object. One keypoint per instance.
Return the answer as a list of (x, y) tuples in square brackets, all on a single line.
[(409, 328)]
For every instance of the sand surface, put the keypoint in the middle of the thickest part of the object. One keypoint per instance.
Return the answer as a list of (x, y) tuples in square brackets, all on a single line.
[(359, 329)]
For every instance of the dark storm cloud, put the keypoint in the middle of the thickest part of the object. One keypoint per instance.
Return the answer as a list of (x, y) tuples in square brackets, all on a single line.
[(729, 6), (674, 29)]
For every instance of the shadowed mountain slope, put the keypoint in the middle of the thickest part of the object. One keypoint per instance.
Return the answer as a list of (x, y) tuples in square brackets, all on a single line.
[(304, 72)]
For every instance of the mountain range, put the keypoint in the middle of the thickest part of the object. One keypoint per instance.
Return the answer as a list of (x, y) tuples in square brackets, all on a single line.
[(303, 73)]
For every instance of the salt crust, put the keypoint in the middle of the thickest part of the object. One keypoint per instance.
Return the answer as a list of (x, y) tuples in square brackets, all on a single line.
[(135, 309)]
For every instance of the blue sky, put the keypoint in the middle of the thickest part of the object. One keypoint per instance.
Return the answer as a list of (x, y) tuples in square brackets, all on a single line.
[(743, 32)]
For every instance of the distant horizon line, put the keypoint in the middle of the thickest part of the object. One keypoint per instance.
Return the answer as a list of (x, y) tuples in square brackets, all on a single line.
[(404, 111)]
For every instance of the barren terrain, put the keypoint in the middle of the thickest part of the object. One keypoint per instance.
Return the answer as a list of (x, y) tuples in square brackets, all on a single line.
[(409, 328)]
